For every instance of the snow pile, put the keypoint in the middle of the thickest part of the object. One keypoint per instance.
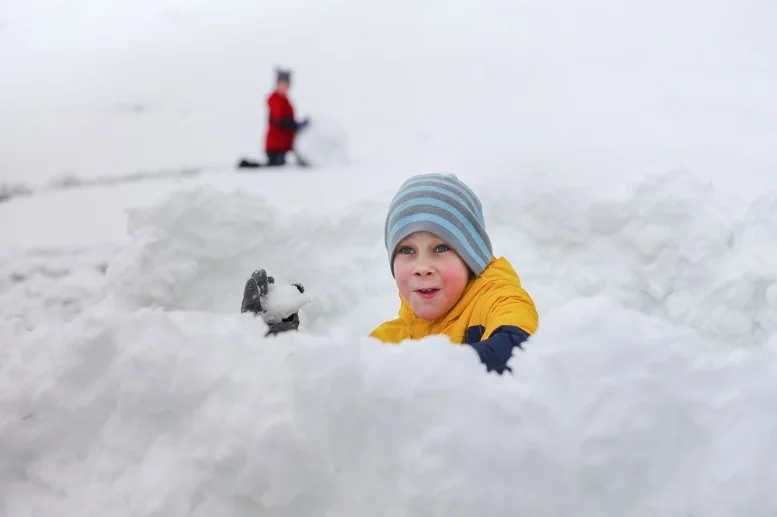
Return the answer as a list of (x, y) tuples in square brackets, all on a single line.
[(51, 284), (195, 250), (186, 413), (669, 248), (323, 143), (130, 384)]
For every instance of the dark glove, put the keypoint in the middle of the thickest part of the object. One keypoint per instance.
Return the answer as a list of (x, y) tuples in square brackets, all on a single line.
[(303, 124), (258, 286)]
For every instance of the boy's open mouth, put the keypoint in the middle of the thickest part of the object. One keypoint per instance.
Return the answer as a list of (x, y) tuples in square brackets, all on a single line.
[(426, 293)]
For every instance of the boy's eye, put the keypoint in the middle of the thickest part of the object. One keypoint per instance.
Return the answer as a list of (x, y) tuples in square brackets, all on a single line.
[(405, 250), (441, 248)]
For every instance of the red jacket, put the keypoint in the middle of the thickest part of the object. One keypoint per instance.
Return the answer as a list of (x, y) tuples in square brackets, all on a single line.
[(282, 126)]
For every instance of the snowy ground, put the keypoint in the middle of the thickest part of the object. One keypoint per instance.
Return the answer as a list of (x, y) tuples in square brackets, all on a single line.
[(624, 156)]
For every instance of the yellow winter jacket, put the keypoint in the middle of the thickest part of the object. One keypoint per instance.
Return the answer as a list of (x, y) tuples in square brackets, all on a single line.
[(494, 314)]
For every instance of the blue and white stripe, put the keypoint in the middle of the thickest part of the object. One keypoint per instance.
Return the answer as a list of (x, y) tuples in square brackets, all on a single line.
[(442, 205)]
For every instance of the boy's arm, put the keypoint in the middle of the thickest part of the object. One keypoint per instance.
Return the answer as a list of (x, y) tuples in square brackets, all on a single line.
[(495, 351), (510, 320)]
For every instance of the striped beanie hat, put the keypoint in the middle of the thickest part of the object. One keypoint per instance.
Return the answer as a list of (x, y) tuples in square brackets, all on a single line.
[(444, 206)]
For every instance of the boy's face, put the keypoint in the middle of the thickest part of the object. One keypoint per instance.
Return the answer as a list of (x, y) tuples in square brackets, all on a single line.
[(429, 275)]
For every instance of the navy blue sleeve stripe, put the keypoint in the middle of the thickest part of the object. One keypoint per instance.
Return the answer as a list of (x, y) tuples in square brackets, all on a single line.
[(495, 351)]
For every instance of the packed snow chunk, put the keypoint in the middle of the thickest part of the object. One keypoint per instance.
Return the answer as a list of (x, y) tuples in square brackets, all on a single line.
[(323, 143), (158, 413), (282, 301)]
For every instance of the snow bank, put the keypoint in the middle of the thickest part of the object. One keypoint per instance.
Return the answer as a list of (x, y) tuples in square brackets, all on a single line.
[(155, 413), (195, 251), (131, 385), (51, 284), (669, 249), (323, 143)]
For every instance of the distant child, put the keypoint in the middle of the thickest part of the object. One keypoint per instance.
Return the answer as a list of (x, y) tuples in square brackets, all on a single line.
[(449, 282), (282, 127)]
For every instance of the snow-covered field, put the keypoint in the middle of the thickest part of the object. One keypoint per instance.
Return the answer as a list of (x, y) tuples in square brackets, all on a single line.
[(624, 155)]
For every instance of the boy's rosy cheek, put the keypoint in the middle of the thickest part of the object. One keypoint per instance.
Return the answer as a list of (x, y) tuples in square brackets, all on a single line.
[(454, 274), (400, 272), (398, 267), (451, 271)]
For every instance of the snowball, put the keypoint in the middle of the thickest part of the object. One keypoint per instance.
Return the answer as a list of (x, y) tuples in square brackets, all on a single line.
[(282, 301)]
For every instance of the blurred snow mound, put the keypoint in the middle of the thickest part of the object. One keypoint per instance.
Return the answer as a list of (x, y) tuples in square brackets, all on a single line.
[(323, 143), (195, 251), (49, 284), (668, 248), (157, 413), (9, 190)]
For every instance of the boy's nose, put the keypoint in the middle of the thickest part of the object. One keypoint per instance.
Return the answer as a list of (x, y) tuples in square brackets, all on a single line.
[(423, 269)]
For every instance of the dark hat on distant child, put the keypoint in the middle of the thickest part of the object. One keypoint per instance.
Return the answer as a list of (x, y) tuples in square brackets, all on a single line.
[(443, 205), (282, 75)]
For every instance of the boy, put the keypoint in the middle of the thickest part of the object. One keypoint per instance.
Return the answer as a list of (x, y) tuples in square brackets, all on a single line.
[(449, 282), (281, 127)]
